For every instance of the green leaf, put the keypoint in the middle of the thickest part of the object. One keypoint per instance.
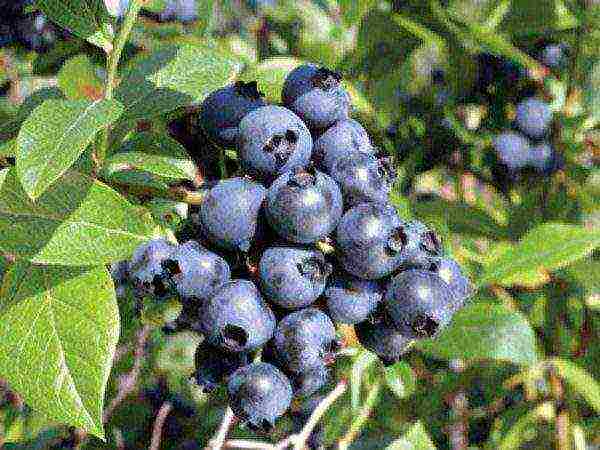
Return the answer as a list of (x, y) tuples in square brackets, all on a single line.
[(592, 91), (548, 246), (359, 368), (87, 19), (78, 221), (8, 148), (270, 75), (59, 334), (79, 80), (579, 380), (400, 379), (415, 438), (485, 332), (157, 154), (354, 10), (172, 77), (55, 135)]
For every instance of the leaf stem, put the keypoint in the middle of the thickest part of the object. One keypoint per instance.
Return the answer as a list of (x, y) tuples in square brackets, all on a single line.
[(364, 414), (112, 65)]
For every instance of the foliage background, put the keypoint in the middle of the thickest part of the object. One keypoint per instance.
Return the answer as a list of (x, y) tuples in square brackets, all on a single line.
[(518, 368)]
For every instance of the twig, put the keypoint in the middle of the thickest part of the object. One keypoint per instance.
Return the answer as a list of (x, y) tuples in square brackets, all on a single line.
[(249, 445), (129, 381), (159, 423), (362, 417), (217, 442)]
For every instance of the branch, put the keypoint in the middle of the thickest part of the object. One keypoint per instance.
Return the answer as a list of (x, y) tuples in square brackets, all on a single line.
[(159, 423), (364, 414), (218, 441), (129, 381)]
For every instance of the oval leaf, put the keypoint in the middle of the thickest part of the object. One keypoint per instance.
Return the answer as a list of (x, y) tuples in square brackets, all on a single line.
[(580, 381), (157, 154), (548, 246), (87, 19), (77, 222), (59, 334), (415, 438), (486, 332), (172, 77), (79, 80), (400, 379), (55, 135)]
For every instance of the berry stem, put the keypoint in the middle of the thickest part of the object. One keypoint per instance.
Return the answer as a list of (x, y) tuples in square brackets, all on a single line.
[(362, 417), (159, 423), (112, 65), (218, 441)]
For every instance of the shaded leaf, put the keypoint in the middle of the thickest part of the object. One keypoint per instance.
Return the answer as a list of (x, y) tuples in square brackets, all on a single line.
[(55, 135), (172, 77), (154, 153), (579, 380), (78, 221), (87, 19), (60, 328), (79, 80), (415, 438), (485, 332), (400, 379), (548, 246), (270, 75)]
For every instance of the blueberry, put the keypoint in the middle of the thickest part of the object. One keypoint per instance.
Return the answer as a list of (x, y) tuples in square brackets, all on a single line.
[(304, 340), (146, 270), (346, 136), (419, 303), (183, 11), (316, 95), (363, 178), (273, 140), (449, 271), (385, 341), (196, 272), (222, 111), (512, 150), (554, 56), (352, 300), (371, 240), (310, 381), (422, 243), (214, 366), (534, 117), (293, 277), (259, 394), (304, 206), (544, 158), (229, 213), (236, 319)]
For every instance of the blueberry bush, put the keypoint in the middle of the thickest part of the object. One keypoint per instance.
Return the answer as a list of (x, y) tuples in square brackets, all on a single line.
[(300, 224)]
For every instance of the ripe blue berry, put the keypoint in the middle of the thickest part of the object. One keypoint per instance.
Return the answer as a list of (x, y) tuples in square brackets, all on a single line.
[(229, 213), (259, 394), (385, 341), (449, 271), (422, 243), (303, 340), (419, 303), (534, 117), (196, 272), (554, 56), (222, 111), (316, 95), (213, 366), (352, 300), (363, 178), (346, 136), (371, 240), (304, 206), (512, 150), (544, 158), (292, 277), (147, 273), (273, 140), (236, 319), (311, 381)]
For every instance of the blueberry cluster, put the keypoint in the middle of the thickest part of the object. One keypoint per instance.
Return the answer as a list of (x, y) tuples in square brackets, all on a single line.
[(30, 30), (302, 239), (528, 145)]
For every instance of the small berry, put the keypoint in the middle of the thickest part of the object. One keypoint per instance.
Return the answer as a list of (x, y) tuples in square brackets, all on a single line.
[(449, 271), (259, 394), (311, 381), (316, 95), (555, 56), (352, 300), (419, 303), (304, 206), (304, 340), (372, 240), (544, 158), (214, 366), (146, 270), (385, 341), (222, 111), (292, 277), (534, 117), (344, 137), (236, 319), (273, 140), (229, 213), (512, 150)]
